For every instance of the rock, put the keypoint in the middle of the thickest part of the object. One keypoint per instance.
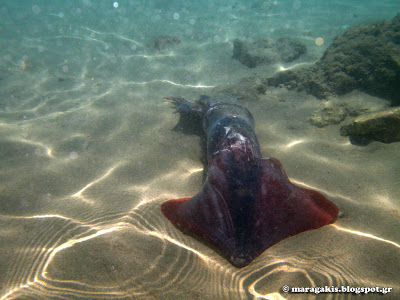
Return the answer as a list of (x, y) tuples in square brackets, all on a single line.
[(253, 54), (328, 114), (164, 41), (382, 126), (289, 49), (265, 51), (248, 88), (365, 57)]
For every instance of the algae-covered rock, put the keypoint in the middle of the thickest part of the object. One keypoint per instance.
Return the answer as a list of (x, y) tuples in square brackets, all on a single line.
[(247, 88), (382, 126), (164, 41), (328, 114), (364, 57), (264, 51)]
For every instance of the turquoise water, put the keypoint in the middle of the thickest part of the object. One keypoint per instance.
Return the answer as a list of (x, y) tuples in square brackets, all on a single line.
[(87, 154)]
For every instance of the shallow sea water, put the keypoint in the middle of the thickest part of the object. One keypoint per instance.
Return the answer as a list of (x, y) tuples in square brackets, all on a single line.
[(88, 154)]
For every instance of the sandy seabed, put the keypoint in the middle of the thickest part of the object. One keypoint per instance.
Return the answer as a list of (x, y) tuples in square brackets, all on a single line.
[(88, 156)]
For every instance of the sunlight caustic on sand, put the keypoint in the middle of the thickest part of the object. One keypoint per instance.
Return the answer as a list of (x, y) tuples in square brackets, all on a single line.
[(113, 34), (292, 144), (367, 235), (150, 188), (281, 68), (72, 242), (203, 257), (108, 173), (169, 82), (47, 150)]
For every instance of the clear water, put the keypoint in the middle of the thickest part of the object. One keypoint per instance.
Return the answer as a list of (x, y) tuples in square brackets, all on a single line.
[(87, 154)]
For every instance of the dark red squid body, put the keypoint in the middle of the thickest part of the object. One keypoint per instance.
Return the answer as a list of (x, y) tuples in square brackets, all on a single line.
[(247, 203)]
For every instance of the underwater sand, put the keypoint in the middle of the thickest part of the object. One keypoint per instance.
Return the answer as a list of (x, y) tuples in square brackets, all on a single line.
[(87, 156)]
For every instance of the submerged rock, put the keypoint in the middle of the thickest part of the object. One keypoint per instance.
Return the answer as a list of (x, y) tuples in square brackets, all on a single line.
[(264, 51), (164, 41), (328, 114), (365, 57), (382, 126), (290, 49), (247, 88)]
